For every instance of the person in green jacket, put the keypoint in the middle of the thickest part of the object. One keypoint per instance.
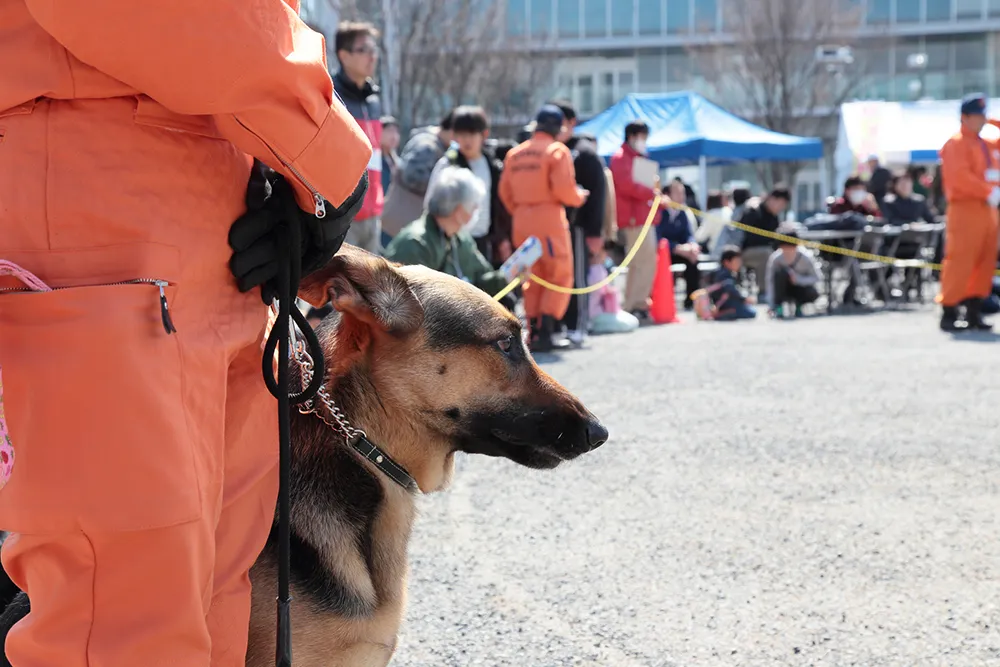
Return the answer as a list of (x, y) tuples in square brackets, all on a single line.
[(439, 239)]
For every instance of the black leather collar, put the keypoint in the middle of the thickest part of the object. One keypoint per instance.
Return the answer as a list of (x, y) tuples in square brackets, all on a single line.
[(397, 473)]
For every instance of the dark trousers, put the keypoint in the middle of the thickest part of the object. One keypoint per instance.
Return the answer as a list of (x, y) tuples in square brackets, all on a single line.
[(785, 290), (692, 277), (577, 315)]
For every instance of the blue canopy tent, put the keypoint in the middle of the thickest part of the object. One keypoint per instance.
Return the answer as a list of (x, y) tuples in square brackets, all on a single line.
[(687, 129)]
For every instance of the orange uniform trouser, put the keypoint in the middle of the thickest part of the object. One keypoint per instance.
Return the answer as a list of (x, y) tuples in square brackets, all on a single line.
[(145, 476), (549, 225), (970, 257)]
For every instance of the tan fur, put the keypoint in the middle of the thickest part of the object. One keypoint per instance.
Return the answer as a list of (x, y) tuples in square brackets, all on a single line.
[(380, 337)]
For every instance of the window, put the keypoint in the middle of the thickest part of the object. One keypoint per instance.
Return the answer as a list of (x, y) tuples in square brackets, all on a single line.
[(607, 95), (879, 11), (621, 17), (705, 15), (875, 59), (541, 18), (938, 10), (650, 67), (907, 11), (626, 83), (678, 67), (517, 17), (970, 53), (650, 17), (569, 18), (595, 18), (938, 52), (993, 7), (968, 9), (906, 49), (585, 86), (678, 16)]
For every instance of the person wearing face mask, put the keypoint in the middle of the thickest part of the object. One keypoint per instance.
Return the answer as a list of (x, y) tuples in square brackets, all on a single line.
[(440, 240), (970, 169), (856, 199), (632, 202)]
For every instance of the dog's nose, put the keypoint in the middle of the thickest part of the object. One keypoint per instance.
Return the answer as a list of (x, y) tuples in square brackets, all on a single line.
[(597, 435)]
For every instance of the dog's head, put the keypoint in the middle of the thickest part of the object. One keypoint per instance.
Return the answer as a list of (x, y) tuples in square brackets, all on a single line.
[(429, 365)]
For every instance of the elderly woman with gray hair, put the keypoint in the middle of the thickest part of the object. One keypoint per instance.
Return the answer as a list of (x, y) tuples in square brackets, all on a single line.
[(439, 241)]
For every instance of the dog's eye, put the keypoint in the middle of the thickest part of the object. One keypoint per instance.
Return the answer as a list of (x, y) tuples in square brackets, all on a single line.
[(505, 345)]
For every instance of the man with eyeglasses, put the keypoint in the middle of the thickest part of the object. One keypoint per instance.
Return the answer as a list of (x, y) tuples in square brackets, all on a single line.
[(357, 53)]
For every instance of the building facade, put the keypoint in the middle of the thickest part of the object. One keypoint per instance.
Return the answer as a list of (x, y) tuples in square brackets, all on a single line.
[(902, 49), (606, 49)]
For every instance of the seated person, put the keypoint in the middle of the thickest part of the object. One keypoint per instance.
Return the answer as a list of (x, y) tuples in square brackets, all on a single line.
[(902, 205), (764, 215), (730, 303), (856, 199), (438, 240), (792, 274), (678, 227)]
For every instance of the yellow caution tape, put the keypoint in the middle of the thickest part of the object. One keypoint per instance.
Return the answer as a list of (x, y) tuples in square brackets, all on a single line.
[(815, 245)]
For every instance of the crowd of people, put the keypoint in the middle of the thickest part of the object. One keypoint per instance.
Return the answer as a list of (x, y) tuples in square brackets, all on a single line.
[(458, 200)]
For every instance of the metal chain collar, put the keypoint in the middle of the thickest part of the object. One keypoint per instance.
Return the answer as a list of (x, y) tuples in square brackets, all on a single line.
[(332, 416)]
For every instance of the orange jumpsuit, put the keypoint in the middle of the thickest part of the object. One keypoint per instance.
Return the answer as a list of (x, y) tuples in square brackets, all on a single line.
[(537, 182), (145, 475), (970, 168)]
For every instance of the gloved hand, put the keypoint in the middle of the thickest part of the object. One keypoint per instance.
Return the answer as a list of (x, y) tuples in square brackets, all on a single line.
[(270, 202), (994, 199)]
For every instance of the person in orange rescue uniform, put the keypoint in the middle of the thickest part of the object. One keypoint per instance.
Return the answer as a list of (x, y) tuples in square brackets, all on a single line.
[(146, 445), (970, 171), (538, 181)]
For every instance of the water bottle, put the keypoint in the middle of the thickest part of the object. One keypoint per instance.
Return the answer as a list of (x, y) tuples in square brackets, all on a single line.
[(522, 259)]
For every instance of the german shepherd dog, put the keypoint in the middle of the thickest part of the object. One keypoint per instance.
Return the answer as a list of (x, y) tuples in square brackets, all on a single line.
[(427, 366)]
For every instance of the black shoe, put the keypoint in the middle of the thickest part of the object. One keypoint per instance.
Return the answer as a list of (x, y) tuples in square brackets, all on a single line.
[(558, 340), (539, 341), (973, 316), (642, 316), (949, 320)]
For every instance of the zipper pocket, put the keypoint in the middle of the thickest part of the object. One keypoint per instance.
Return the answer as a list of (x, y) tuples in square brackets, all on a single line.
[(168, 323), (320, 203)]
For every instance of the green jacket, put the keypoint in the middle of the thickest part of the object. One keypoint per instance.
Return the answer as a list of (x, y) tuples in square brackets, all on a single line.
[(422, 242)]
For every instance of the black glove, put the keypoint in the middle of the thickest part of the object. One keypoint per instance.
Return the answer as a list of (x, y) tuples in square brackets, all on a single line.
[(270, 205)]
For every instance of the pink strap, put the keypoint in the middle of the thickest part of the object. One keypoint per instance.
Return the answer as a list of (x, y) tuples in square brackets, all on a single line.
[(25, 276)]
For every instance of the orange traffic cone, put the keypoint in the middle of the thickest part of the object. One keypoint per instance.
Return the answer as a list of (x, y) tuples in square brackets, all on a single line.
[(663, 309)]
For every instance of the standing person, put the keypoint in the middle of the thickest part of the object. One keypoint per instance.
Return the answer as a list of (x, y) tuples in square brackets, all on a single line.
[(757, 248), (633, 201), (146, 441), (390, 144), (586, 222), (390, 148), (970, 169), (421, 153), (878, 182), (357, 53), (678, 227), (490, 226), (538, 182)]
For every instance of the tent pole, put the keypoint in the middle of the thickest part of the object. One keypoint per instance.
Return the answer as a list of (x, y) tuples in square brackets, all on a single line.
[(703, 178), (824, 184)]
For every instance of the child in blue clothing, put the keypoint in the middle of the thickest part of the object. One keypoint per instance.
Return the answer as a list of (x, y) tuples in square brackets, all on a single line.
[(730, 303)]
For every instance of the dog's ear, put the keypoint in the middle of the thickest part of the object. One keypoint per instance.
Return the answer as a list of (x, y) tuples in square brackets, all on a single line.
[(367, 288)]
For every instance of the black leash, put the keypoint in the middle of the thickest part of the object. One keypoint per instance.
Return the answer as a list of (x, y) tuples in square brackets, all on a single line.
[(289, 277)]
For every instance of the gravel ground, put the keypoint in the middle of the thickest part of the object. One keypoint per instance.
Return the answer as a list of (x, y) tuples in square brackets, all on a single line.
[(817, 492)]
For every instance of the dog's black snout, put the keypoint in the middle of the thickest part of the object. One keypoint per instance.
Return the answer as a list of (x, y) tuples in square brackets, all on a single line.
[(597, 435)]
